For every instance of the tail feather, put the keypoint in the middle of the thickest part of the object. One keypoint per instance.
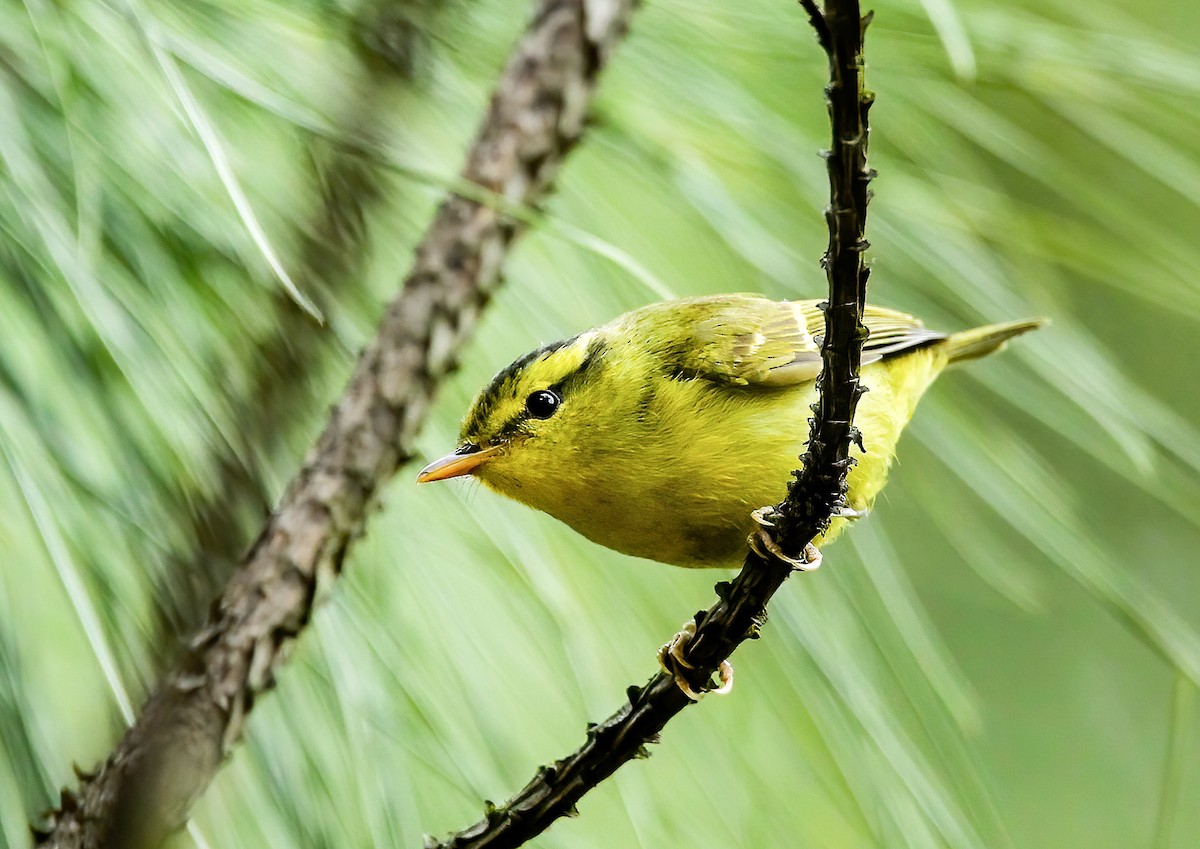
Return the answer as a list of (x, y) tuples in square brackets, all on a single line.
[(981, 341)]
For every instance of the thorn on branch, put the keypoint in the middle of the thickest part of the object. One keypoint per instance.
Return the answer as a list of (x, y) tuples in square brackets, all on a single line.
[(85, 775), (817, 19)]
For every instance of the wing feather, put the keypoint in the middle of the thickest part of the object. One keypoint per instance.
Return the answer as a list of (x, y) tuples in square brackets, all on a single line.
[(749, 341)]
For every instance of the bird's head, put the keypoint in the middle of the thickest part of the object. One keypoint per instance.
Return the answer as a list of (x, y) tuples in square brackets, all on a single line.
[(530, 421)]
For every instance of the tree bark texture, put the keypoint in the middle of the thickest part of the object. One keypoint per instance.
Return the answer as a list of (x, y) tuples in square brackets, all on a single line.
[(332, 253), (164, 762)]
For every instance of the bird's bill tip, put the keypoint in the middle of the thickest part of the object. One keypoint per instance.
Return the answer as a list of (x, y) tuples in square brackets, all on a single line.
[(456, 465)]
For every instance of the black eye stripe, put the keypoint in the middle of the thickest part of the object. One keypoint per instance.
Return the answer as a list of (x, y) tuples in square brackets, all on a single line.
[(543, 403)]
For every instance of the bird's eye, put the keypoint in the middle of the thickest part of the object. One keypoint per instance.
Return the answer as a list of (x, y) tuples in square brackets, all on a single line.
[(542, 404)]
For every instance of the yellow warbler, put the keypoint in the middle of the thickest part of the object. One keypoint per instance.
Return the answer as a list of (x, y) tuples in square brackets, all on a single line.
[(659, 433)]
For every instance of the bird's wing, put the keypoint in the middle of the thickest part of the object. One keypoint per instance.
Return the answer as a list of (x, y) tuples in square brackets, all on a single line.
[(751, 341), (892, 332)]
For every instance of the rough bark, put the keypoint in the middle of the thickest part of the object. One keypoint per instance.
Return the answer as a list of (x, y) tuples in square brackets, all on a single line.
[(813, 497), (146, 788), (333, 245)]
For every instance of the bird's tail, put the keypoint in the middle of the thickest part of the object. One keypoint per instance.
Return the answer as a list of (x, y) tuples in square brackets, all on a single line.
[(981, 341)]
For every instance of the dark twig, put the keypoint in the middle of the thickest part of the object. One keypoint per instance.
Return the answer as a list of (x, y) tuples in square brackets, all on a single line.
[(817, 19), (167, 758), (821, 484), (813, 497)]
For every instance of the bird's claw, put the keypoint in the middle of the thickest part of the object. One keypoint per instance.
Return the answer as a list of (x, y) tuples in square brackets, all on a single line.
[(848, 512), (671, 658), (763, 544)]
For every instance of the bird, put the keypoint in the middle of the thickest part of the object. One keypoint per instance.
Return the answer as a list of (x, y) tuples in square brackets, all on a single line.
[(659, 433)]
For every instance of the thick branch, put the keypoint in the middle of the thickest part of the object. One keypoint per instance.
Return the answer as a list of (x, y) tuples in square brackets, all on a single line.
[(333, 249), (815, 494), (167, 758)]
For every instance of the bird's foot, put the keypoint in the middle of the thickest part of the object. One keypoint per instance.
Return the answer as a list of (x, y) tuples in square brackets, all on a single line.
[(762, 542), (671, 658), (848, 512)]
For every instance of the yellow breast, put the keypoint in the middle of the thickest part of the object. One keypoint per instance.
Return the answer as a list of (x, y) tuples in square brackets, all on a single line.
[(675, 477)]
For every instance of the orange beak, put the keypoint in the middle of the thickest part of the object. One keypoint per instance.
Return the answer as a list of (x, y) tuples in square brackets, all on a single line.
[(462, 462)]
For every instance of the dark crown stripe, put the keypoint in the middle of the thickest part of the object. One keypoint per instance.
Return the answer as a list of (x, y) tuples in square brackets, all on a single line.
[(492, 392), (595, 351), (563, 387)]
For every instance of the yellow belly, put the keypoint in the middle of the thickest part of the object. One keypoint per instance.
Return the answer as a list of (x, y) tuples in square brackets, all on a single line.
[(707, 455)]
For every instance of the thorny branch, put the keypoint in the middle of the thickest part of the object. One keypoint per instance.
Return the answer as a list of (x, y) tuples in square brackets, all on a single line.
[(146, 787), (815, 494)]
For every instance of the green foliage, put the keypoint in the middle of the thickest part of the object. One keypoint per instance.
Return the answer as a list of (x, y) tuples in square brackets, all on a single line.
[(1005, 654)]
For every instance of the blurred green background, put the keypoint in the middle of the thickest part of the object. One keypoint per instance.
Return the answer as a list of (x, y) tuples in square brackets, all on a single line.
[(1004, 655)]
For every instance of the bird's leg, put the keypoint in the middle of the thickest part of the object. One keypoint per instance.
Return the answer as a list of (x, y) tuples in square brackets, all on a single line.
[(762, 542), (671, 658)]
